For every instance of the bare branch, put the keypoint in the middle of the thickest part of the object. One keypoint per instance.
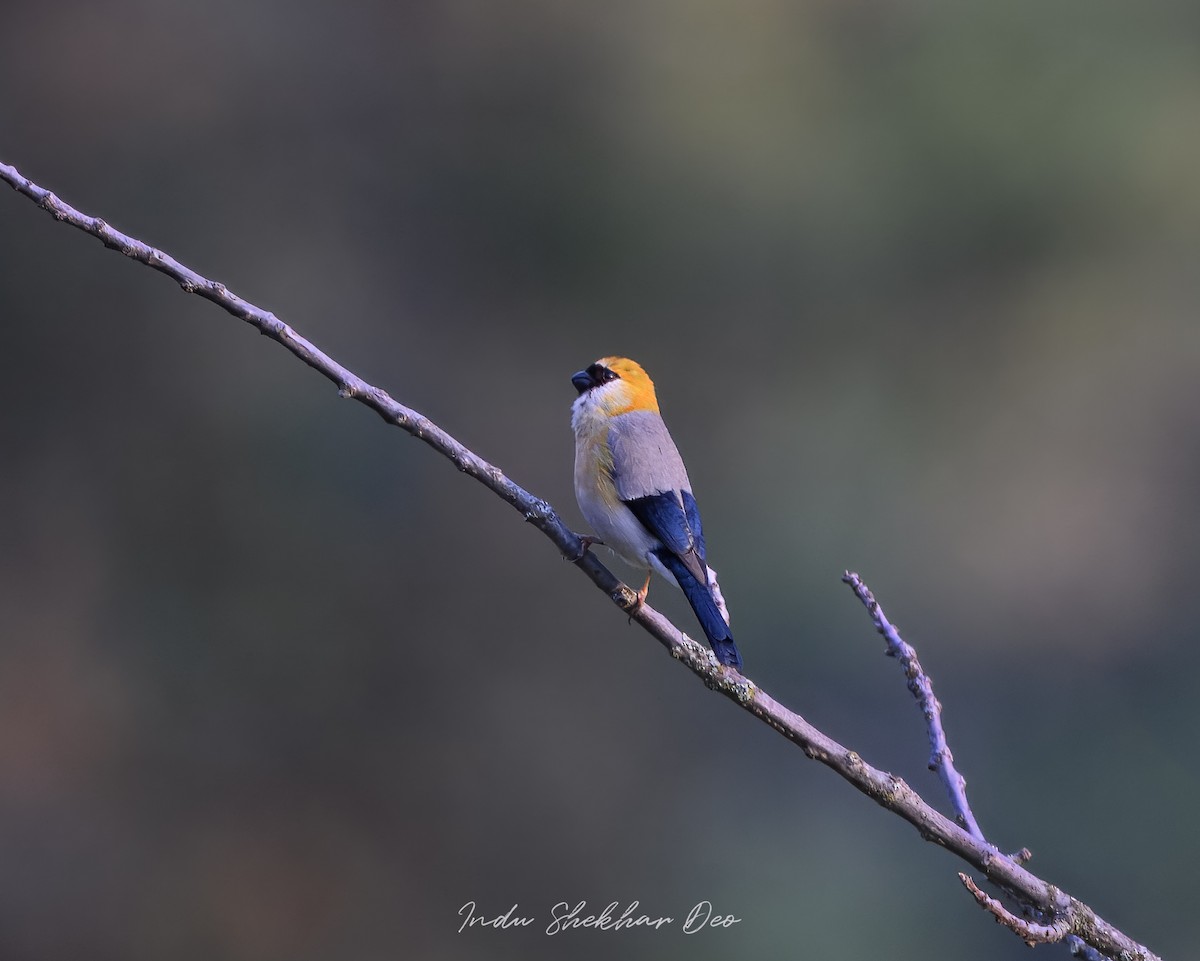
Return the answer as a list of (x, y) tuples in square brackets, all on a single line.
[(940, 758), (886, 789), (1029, 932), (1081, 949)]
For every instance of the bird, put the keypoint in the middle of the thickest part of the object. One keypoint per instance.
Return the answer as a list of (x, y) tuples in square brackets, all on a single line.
[(634, 491)]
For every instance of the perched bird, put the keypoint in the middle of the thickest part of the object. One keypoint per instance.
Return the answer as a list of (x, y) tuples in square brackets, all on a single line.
[(633, 489)]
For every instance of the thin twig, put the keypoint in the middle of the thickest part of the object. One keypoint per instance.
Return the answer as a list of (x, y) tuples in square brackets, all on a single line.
[(940, 758), (886, 789), (1029, 932)]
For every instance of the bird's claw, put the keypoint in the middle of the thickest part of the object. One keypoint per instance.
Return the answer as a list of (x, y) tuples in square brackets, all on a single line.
[(639, 599), (585, 543)]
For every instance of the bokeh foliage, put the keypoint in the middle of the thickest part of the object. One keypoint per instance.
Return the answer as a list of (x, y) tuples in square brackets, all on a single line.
[(918, 285)]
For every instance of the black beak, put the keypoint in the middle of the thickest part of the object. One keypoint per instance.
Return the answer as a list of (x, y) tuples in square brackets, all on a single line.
[(583, 381)]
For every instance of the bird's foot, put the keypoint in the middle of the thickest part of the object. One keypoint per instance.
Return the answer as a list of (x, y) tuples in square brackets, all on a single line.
[(585, 543), (639, 598)]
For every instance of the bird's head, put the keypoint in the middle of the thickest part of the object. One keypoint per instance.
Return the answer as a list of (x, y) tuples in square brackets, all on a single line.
[(615, 385)]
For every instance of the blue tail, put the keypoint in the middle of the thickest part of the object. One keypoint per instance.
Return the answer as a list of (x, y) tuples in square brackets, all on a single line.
[(707, 612)]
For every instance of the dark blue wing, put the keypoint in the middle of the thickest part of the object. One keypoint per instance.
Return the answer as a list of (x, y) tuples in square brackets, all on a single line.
[(675, 522), (700, 596), (692, 513)]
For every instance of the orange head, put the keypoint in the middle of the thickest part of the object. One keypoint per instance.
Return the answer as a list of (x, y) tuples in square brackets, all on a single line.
[(617, 385)]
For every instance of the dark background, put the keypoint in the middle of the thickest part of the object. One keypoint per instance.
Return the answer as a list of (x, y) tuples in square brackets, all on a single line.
[(918, 285)]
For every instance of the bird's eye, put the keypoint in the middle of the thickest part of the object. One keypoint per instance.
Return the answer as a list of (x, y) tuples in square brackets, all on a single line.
[(601, 374)]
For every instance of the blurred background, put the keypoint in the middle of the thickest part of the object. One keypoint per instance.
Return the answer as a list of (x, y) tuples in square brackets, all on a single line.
[(918, 285)]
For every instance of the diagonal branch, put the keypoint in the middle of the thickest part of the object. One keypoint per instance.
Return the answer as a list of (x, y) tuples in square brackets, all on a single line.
[(886, 789)]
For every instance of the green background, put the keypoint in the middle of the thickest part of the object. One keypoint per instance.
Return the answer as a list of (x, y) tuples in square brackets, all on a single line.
[(917, 283)]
